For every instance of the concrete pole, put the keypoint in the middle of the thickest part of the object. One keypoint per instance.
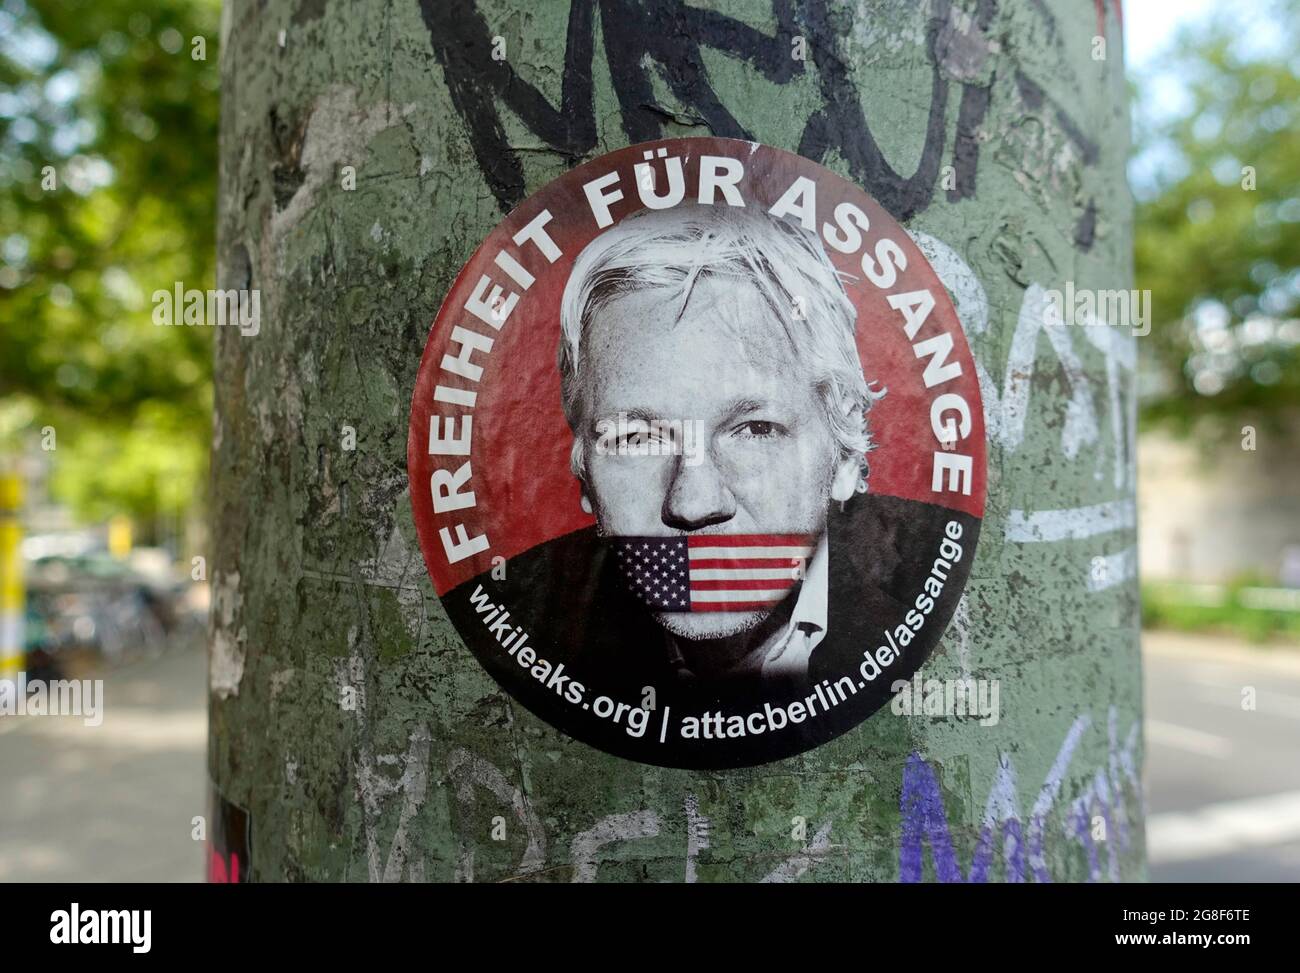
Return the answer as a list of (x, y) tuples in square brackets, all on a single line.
[(368, 149)]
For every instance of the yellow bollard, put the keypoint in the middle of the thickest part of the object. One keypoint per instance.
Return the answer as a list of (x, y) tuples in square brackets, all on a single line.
[(13, 601), (119, 536)]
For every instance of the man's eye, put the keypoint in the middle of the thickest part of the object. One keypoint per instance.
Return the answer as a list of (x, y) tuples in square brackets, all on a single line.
[(758, 429), (637, 440)]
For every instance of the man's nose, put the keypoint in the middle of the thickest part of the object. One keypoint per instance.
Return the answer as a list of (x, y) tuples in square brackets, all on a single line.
[(697, 496)]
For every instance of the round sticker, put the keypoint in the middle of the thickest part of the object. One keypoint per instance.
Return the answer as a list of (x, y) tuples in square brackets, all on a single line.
[(697, 454)]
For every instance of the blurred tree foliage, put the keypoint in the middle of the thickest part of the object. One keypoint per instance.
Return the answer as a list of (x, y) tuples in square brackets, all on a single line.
[(1222, 259), (106, 102)]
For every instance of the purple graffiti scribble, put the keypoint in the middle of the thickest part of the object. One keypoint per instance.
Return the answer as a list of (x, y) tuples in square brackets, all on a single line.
[(1036, 828), (925, 821), (1080, 827), (1013, 845)]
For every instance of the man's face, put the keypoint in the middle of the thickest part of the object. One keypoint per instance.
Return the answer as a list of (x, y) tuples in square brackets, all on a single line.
[(766, 459)]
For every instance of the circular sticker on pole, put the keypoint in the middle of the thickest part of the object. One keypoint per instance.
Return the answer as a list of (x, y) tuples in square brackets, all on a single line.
[(697, 454)]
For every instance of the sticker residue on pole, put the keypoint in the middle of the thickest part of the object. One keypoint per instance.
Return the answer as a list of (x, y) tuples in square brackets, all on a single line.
[(229, 841)]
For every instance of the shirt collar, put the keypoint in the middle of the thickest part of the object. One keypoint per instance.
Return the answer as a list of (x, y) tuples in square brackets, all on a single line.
[(788, 655), (809, 614), (810, 607)]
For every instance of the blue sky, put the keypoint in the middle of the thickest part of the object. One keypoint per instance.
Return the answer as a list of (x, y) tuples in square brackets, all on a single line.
[(1150, 27)]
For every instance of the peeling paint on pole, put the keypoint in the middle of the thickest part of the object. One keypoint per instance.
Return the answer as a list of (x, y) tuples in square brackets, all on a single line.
[(348, 718)]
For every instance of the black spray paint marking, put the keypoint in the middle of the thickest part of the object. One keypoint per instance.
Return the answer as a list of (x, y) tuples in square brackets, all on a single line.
[(671, 34)]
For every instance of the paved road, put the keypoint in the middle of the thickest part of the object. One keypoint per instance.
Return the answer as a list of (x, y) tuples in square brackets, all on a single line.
[(115, 802), (1223, 781), (111, 803)]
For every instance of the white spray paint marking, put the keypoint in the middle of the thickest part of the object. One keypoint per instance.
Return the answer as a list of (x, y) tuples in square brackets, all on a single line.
[(1052, 783), (223, 31), (697, 834), (609, 829), (797, 864), (1096, 797), (956, 275), (412, 784), (392, 565), (467, 770), (1119, 351), (1006, 411), (1112, 342), (1051, 789), (376, 787), (1002, 806), (1123, 758), (1107, 570), (1009, 410), (1072, 523), (1081, 429)]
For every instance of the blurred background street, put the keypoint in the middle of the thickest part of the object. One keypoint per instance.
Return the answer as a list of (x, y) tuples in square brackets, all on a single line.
[(1223, 782), (113, 802)]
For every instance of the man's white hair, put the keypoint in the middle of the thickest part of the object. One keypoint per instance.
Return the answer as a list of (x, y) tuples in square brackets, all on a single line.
[(677, 247)]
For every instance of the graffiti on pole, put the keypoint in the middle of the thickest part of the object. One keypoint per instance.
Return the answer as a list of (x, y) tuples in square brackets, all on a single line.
[(1100, 817), (669, 37)]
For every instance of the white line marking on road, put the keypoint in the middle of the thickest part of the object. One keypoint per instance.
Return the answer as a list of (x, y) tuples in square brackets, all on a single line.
[(1215, 677), (1218, 829), (1185, 738)]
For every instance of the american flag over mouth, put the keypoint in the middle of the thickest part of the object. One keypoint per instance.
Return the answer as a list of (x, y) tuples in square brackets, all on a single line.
[(713, 572)]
